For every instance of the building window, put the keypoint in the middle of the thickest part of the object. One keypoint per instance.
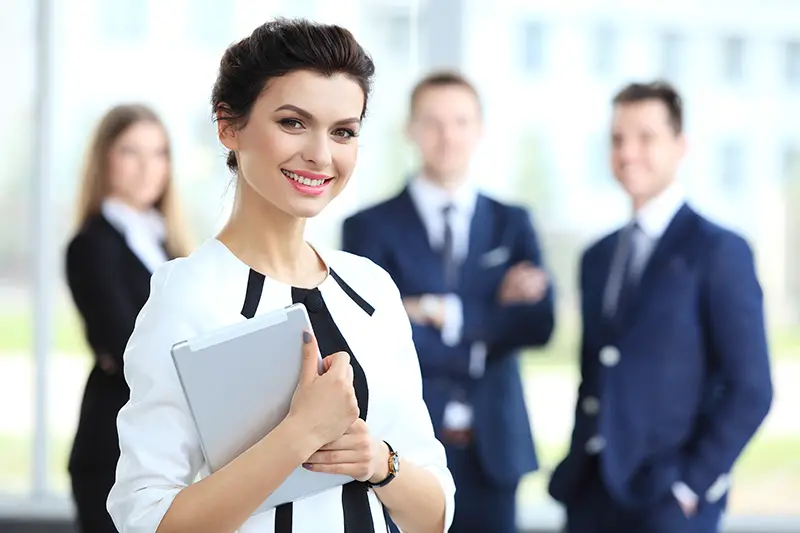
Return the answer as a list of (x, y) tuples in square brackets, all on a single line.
[(124, 20), (393, 27), (533, 47), (604, 50), (732, 166), (793, 63), (790, 167), (397, 27), (672, 46), (733, 58)]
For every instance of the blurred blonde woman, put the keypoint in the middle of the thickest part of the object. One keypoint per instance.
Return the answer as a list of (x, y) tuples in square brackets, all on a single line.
[(128, 225)]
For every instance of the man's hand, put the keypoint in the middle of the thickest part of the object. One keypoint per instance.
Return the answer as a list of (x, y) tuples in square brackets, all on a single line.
[(426, 310), (523, 283), (355, 454), (689, 509), (687, 500)]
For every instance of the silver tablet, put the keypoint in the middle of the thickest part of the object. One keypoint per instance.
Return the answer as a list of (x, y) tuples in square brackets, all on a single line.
[(239, 381)]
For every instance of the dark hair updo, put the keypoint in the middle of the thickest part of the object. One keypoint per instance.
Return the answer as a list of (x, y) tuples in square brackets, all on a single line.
[(277, 48)]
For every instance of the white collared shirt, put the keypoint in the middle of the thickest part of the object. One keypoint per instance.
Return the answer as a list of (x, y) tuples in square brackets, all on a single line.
[(646, 227), (430, 201), (144, 231), (653, 219)]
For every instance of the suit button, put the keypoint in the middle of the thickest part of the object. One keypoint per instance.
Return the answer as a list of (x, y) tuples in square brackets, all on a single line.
[(590, 405), (609, 356), (595, 445)]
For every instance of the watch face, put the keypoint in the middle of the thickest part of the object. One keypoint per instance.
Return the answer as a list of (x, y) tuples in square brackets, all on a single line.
[(395, 463)]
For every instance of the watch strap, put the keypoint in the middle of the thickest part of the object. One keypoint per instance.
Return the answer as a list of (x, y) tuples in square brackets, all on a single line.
[(392, 471)]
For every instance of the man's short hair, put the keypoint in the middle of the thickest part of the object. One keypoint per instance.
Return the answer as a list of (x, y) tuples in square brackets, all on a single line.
[(441, 78), (658, 90)]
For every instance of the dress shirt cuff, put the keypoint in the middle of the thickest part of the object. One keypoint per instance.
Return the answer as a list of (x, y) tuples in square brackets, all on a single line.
[(453, 320), (684, 494)]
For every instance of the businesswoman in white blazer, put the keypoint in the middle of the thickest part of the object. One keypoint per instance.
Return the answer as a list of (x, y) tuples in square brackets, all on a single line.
[(289, 101), (128, 225)]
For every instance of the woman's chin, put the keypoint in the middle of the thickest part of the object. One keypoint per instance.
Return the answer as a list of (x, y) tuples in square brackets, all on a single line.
[(308, 207)]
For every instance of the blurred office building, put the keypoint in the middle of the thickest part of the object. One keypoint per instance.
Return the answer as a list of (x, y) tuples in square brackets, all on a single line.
[(546, 70)]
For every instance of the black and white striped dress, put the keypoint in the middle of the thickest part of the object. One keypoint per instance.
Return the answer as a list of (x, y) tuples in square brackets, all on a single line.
[(356, 309)]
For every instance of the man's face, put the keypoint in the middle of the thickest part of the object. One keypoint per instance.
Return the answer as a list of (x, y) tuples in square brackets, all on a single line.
[(446, 128), (645, 148)]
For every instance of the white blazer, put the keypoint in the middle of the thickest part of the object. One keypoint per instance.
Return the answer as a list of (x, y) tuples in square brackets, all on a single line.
[(160, 450)]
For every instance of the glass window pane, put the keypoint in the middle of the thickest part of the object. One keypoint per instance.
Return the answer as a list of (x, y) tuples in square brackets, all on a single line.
[(16, 333), (733, 57), (533, 47), (732, 166), (604, 49), (672, 56), (793, 63)]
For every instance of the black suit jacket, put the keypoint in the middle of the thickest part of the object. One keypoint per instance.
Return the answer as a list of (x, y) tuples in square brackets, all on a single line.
[(109, 286)]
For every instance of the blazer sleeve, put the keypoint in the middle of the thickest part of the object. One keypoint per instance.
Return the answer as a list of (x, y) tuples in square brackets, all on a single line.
[(517, 325), (412, 431), (160, 452), (739, 355), (95, 279)]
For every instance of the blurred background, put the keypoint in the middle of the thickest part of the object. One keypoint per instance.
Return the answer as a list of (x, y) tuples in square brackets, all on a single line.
[(546, 70)]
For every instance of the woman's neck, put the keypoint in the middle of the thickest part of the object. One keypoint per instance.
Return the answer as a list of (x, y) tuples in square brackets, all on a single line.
[(270, 241), (128, 204)]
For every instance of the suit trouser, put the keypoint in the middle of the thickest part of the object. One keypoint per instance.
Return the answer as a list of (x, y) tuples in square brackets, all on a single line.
[(90, 490), (595, 511), (482, 506)]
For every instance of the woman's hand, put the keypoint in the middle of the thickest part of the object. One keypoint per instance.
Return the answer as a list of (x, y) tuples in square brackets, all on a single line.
[(355, 454), (324, 404)]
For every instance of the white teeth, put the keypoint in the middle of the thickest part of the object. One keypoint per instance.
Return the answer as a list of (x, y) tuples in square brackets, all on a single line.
[(304, 181)]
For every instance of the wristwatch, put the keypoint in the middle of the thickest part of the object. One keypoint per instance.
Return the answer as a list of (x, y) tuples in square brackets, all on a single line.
[(394, 468)]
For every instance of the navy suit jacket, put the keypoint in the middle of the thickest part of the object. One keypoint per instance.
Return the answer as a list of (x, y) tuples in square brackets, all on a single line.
[(690, 381), (393, 235)]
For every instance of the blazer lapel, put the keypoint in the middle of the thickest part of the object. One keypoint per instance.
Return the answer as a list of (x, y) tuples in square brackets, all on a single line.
[(412, 225), (413, 241), (132, 257), (482, 238), (666, 248)]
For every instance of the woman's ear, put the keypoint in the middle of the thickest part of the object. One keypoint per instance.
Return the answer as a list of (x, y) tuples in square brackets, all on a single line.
[(226, 130)]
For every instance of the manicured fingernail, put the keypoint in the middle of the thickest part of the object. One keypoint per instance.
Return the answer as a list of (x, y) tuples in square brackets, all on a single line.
[(306, 337), (307, 466)]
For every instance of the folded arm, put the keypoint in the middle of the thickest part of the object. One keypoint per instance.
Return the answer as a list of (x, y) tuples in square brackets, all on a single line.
[(516, 325)]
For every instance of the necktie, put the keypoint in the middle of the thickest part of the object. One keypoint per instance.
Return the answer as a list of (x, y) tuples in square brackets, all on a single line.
[(630, 279), (449, 263)]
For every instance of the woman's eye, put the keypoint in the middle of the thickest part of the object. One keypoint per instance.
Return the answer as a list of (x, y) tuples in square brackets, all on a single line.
[(345, 133), (291, 123)]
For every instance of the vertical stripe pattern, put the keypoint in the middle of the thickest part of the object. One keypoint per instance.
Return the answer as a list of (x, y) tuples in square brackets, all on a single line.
[(355, 495)]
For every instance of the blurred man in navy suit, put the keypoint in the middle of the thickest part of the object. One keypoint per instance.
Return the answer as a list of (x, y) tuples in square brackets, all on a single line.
[(674, 364), (470, 271)]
